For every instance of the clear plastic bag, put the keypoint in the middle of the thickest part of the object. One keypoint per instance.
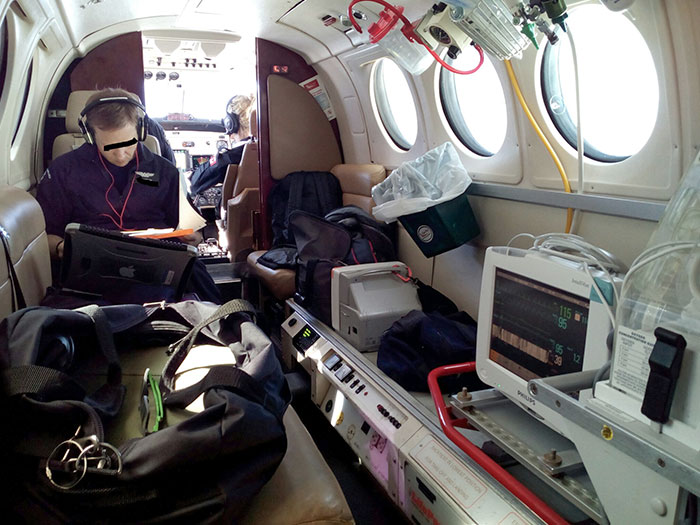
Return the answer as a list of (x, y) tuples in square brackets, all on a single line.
[(416, 185)]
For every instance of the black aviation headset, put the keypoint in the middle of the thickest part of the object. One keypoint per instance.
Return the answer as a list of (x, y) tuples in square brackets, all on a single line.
[(231, 122), (141, 123)]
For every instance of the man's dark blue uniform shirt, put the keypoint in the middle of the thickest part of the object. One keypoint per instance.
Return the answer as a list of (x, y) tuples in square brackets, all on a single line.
[(73, 190)]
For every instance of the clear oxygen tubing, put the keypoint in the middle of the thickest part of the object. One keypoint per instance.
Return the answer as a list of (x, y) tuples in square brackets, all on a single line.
[(579, 129), (411, 35), (547, 145)]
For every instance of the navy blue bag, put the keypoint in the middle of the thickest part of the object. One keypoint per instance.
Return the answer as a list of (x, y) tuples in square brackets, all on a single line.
[(420, 342)]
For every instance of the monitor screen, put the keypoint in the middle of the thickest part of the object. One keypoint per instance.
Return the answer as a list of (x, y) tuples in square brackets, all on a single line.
[(183, 160), (537, 330)]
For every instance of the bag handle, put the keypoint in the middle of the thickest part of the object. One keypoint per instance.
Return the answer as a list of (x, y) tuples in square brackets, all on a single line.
[(222, 376), (181, 348)]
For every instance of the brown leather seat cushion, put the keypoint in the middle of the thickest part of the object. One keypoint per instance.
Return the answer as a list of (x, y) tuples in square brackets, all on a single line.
[(303, 489), (280, 283)]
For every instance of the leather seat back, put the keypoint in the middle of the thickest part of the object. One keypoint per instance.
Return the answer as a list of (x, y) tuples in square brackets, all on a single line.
[(243, 207), (23, 221)]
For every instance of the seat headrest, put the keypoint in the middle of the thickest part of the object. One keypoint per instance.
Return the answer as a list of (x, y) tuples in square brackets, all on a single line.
[(76, 103), (254, 124)]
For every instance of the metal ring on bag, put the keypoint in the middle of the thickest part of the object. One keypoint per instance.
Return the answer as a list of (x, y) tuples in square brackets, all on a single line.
[(102, 469), (78, 469)]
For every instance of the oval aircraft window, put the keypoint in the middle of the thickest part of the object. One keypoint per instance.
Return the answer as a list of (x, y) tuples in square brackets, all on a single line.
[(619, 86), (474, 104), (395, 104)]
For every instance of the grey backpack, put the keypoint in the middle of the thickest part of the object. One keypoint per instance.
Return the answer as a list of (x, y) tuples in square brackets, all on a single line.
[(96, 438)]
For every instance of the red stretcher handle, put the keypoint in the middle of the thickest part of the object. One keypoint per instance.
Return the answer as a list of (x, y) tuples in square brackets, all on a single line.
[(538, 506)]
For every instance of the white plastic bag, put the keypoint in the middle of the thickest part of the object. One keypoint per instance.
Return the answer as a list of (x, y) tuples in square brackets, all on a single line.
[(416, 185)]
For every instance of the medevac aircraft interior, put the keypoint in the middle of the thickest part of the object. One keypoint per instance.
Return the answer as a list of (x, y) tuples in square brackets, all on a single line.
[(468, 231)]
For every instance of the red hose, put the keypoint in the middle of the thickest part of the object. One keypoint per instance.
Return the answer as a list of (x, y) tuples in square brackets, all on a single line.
[(538, 506), (410, 34)]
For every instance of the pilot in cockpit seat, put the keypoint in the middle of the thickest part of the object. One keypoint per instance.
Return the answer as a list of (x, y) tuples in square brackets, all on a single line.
[(237, 125), (114, 182)]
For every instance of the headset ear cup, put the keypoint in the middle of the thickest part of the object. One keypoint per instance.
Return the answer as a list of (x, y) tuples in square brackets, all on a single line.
[(228, 124), (142, 129), (85, 131)]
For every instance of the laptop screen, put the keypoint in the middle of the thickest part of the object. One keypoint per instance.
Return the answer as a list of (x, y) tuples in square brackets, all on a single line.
[(120, 268)]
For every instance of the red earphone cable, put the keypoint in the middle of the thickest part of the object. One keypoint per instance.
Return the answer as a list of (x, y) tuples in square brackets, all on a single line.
[(120, 216)]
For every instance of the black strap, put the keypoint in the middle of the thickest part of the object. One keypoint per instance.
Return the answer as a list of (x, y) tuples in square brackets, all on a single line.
[(296, 192), (107, 399), (305, 284), (105, 340), (18, 301), (184, 345), (41, 382), (229, 377), (324, 188)]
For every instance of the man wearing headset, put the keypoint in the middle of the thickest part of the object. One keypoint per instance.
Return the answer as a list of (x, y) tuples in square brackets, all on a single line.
[(237, 125), (113, 181)]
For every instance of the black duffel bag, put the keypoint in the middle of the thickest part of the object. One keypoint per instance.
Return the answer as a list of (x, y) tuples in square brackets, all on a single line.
[(345, 236), (76, 457)]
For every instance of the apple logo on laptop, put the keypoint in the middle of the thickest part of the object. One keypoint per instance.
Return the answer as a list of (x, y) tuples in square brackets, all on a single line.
[(127, 271)]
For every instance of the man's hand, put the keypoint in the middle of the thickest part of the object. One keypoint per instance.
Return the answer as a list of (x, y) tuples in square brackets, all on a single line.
[(56, 245), (193, 238)]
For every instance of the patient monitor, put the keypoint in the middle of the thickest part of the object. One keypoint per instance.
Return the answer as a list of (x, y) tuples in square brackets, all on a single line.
[(366, 299), (539, 317)]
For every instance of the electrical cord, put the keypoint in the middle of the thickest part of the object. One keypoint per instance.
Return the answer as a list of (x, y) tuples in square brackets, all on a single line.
[(576, 243), (579, 129), (543, 139), (600, 373)]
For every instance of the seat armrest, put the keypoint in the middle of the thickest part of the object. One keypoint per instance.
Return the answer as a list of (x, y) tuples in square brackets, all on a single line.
[(303, 490), (280, 283), (239, 223)]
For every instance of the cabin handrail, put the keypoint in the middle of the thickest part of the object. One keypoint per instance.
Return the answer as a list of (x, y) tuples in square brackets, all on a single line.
[(448, 424)]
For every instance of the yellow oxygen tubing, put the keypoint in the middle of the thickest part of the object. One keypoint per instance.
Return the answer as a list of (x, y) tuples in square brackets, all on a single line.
[(550, 150)]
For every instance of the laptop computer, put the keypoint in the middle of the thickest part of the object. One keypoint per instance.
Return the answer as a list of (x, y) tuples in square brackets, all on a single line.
[(120, 268)]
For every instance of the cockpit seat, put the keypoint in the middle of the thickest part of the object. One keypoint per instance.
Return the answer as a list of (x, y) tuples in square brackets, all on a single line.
[(356, 181), (73, 138), (241, 197)]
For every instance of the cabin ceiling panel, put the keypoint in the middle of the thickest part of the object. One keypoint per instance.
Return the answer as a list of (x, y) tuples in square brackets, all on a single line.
[(84, 17)]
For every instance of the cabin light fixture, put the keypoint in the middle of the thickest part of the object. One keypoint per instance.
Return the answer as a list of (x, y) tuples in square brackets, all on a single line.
[(167, 46)]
